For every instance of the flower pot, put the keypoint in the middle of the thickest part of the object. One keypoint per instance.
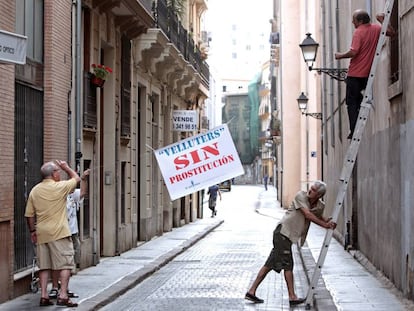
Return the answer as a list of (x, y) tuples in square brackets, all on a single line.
[(97, 81)]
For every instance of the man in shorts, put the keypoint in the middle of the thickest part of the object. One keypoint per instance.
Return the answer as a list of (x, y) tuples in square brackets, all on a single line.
[(73, 203), (306, 207), (47, 219)]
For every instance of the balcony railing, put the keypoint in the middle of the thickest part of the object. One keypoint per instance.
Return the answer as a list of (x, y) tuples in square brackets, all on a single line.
[(147, 4), (167, 20)]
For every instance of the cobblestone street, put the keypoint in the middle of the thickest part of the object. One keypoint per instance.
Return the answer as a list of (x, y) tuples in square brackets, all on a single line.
[(215, 273)]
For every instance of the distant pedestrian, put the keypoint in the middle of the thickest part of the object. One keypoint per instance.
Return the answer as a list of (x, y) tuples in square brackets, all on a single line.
[(47, 219), (361, 52), (265, 180), (212, 200), (293, 227)]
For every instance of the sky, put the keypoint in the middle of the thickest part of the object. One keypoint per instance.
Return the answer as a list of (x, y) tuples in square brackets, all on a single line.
[(239, 32)]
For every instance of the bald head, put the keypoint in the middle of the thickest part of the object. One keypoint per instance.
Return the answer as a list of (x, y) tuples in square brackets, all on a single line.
[(361, 16), (47, 169)]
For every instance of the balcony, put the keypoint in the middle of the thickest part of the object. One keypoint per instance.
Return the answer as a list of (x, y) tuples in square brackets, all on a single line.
[(133, 17), (168, 22), (144, 21)]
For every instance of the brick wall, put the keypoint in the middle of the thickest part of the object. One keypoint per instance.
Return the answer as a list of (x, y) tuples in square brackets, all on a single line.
[(57, 77), (7, 21)]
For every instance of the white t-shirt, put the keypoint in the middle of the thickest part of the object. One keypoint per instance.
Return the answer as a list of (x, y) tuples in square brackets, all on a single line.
[(72, 204)]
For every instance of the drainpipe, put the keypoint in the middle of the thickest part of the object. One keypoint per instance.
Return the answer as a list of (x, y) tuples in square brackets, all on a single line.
[(307, 91), (279, 82), (117, 140), (69, 148), (78, 79)]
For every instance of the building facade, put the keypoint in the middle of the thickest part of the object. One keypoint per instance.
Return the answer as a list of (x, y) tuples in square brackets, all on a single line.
[(52, 110), (376, 219)]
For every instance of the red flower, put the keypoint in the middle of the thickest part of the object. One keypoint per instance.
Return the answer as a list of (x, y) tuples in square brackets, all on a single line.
[(101, 71)]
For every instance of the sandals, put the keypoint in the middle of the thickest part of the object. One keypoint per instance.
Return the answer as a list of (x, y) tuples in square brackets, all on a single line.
[(45, 302), (53, 294), (66, 303), (72, 294)]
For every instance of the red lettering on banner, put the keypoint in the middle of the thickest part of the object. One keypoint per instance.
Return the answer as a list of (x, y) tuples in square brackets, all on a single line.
[(181, 162), (196, 156), (202, 169)]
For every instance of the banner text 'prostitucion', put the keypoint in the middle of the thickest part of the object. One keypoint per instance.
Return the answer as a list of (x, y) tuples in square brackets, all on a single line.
[(202, 169)]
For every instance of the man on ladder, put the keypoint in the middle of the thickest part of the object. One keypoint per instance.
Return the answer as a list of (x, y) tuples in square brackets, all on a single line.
[(361, 119), (362, 52)]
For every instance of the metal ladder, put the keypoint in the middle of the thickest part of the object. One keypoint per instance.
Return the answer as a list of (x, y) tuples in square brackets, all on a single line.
[(351, 155)]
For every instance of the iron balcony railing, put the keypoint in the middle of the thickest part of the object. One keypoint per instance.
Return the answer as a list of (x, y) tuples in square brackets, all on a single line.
[(147, 4), (167, 20)]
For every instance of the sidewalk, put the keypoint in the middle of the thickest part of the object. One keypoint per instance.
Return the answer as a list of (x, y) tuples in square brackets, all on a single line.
[(348, 281), (113, 276), (352, 281)]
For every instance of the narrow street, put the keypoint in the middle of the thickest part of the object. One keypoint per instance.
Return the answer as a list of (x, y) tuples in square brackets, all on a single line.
[(210, 264), (215, 273)]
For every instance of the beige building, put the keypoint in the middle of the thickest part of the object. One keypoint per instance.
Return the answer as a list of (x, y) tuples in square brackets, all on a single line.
[(51, 109), (377, 218), (299, 155)]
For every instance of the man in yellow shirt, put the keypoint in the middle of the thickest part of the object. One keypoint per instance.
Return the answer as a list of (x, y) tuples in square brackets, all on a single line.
[(47, 219)]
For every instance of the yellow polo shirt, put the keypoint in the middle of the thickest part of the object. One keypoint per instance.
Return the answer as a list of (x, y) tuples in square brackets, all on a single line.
[(47, 202)]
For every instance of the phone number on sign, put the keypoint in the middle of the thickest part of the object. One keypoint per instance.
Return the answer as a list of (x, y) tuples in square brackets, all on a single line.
[(187, 127)]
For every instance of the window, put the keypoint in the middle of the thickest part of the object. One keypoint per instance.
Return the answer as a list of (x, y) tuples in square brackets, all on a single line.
[(29, 22), (89, 90), (126, 87), (394, 43)]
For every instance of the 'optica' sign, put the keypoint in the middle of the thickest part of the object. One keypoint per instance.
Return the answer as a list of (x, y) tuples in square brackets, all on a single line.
[(12, 48)]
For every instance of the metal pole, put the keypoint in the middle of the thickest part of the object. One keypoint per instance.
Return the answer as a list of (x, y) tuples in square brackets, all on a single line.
[(78, 79)]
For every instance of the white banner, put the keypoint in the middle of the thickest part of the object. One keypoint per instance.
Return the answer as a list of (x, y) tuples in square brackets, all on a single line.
[(184, 120), (12, 48), (198, 162)]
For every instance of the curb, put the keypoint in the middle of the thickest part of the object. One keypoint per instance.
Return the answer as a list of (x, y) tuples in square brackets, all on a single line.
[(129, 281), (322, 298)]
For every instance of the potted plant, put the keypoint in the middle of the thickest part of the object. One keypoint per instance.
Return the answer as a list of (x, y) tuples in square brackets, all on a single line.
[(100, 73)]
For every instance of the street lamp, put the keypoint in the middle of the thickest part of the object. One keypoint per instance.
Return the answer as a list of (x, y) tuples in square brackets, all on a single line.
[(309, 49), (303, 106)]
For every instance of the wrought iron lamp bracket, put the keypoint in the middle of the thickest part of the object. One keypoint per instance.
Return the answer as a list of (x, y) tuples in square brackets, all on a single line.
[(335, 73), (316, 115)]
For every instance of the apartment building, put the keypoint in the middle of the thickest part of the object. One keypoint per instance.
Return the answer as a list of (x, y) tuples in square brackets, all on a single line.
[(51, 109)]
